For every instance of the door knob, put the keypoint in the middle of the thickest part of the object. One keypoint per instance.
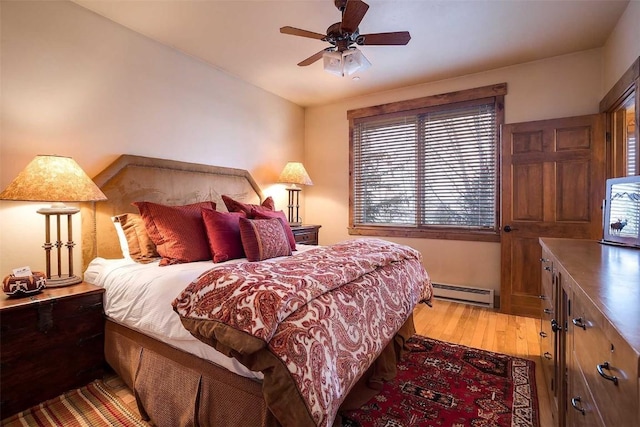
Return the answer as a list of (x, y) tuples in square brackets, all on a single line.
[(508, 229)]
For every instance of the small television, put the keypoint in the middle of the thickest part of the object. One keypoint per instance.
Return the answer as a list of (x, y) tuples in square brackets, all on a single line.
[(621, 222)]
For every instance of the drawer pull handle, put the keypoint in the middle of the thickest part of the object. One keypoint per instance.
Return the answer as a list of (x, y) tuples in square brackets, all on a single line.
[(89, 307), (548, 311), (45, 318), (547, 268), (543, 297), (574, 403), (544, 260), (543, 334), (606, 366), (547, 355), (579, 323), (554, 326), (83, 340)]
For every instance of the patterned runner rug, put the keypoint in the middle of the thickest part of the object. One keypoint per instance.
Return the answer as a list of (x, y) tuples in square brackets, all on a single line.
[(444, 384), (89, 406)]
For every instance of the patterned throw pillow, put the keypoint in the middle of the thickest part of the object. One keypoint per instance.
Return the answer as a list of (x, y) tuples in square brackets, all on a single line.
[(223, 233), (267, 214), (236, 206), (263, 239), (138, 245), (177, 231)]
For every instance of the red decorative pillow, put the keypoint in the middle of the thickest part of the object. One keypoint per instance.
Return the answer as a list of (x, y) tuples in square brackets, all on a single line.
[(266, 214), (177, 231), (223, 232), (236, 206), (263, 239)]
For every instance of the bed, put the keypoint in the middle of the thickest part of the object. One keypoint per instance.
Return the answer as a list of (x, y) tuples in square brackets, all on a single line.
[(187, 368)]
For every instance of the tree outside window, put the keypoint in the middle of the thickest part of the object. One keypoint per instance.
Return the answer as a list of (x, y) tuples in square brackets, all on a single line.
[(428, 167)]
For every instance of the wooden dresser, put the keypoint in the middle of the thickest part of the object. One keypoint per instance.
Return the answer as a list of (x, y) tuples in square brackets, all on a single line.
[(590, 332), (51, 342)]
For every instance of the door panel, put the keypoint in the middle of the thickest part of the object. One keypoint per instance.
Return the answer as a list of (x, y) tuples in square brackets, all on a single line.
[(572, 138), (553, 176), (573, 179), (527, 192)]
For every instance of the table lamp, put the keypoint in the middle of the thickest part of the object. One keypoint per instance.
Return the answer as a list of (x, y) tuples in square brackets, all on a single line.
[(294, 173), (55, 179)]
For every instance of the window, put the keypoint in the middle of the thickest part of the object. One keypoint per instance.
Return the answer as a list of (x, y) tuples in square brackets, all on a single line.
[(622, 106), (628, 131), (428, 167)]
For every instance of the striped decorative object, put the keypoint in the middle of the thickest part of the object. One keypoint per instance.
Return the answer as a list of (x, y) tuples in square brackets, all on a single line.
[(263, 239), (89, 406)]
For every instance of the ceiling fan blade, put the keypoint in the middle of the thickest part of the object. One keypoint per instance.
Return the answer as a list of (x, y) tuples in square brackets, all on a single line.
[(395, 38), (310, 60), (302, 33), (353, 14)]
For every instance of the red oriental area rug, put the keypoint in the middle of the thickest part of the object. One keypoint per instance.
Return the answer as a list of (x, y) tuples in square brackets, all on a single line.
[(443, 384)]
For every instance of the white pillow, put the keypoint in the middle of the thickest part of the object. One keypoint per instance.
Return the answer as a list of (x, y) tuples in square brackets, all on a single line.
[(124, 246)]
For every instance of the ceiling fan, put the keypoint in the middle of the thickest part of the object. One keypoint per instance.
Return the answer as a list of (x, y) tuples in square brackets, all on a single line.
[(343, 56)]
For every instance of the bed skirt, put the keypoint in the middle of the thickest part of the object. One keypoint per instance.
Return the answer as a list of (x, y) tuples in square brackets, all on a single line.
[(175, 388)]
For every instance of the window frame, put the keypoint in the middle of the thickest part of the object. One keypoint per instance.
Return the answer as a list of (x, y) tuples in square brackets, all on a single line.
[(416, 106), (626, 87)]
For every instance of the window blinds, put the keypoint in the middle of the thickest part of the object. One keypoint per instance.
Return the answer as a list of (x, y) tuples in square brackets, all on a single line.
[(434, 168)]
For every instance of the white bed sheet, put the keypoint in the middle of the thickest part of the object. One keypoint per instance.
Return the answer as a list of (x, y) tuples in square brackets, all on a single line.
[(139, 296)]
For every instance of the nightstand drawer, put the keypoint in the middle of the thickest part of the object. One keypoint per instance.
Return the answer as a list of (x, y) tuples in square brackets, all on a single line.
[(50, 324), (306, 234), (50, 343)]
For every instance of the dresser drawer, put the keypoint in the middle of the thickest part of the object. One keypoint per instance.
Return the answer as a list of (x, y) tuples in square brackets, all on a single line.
[(64, 364), (37, 378), (50, 344), (306, 234), (581, 408), (39, 315), (42, 327), (600, 352), (308, 238)]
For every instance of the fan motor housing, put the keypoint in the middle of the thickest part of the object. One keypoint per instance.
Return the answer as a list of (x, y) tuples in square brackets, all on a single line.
[(340, 38)]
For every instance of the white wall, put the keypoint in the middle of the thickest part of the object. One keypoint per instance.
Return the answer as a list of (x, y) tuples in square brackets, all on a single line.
[(623, 45), (558, 87), (76, 84)]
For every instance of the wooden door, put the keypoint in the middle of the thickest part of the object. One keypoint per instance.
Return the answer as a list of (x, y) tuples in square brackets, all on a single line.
[(553, 184)]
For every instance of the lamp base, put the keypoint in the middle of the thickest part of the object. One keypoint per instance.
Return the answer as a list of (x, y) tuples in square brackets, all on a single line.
[(63, 280)]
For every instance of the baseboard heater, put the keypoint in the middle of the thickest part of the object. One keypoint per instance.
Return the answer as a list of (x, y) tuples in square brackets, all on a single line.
[(464, 294)]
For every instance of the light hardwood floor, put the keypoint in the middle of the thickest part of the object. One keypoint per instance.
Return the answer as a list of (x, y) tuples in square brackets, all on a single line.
[(461, 324)]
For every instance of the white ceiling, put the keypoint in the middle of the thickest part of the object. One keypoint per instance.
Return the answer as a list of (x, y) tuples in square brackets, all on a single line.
[(448, 37)]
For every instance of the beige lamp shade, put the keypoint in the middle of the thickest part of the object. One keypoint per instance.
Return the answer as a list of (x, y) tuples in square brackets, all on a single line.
[(53, 179), (295, 173)]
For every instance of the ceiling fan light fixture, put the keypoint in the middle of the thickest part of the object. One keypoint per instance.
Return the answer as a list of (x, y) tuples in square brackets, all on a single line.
[(340, 58), (353, 61), (333, 63), (344, 63)]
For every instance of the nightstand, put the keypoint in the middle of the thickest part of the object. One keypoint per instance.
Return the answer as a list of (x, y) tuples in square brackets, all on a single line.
[(50, 343), (306, 234)]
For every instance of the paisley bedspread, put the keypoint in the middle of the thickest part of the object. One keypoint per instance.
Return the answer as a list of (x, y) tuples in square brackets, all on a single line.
[(313, 323)]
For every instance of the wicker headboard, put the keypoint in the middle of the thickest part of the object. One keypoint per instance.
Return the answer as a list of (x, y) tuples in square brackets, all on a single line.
[(136, 178)]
